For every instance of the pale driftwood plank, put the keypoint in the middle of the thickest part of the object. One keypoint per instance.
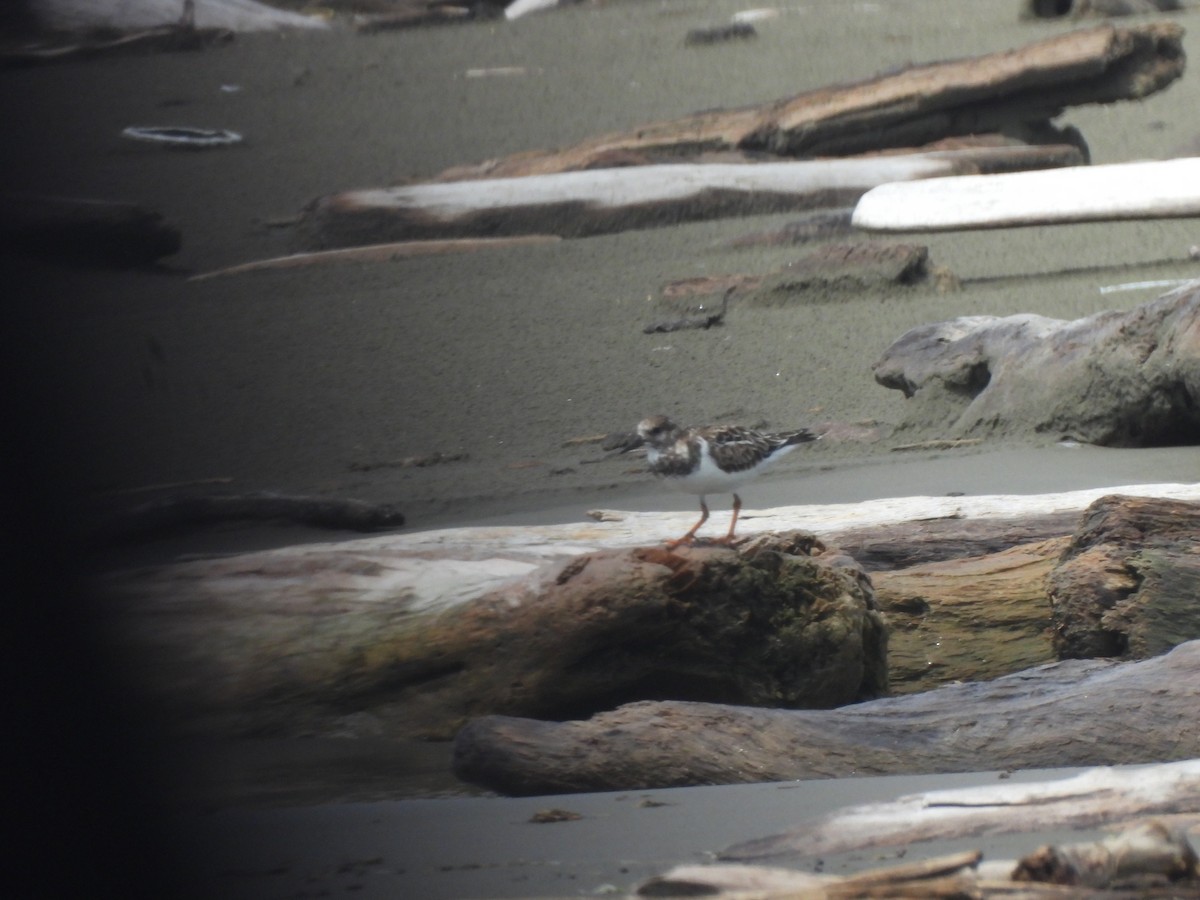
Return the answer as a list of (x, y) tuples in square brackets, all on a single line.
[(1139, 190), (605, 200), (1102, 795), (377, 253)]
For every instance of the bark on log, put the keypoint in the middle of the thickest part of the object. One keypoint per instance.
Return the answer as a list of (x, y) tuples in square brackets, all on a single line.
[(1044, 717), (1128, 582), (85, 232), (1118, 378), (605, 200), (925, 103), (968, 619), (765, 624)]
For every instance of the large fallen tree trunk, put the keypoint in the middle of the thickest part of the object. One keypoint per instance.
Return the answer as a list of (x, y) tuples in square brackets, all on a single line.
[(411, 634), (998, 92), (1071, 713)]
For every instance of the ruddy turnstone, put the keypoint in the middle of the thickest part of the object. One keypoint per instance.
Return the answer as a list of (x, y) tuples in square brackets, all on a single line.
[(712, 459)]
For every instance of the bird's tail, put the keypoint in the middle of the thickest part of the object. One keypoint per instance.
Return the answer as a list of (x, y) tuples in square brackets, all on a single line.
[(800, 436)]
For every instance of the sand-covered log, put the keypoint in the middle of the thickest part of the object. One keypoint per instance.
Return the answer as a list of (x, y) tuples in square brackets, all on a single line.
[(1118, 378), (1129, 581), (1071, 713), (86, 231), (765, 624), (996, 92)]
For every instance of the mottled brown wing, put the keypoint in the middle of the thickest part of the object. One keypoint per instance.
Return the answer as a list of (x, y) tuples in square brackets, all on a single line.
[(736, 449)]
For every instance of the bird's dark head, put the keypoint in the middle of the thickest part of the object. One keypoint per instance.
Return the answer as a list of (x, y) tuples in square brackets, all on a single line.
[(657, 431)]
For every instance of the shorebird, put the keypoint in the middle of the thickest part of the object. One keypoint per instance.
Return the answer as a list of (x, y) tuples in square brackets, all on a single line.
[(712, 459)]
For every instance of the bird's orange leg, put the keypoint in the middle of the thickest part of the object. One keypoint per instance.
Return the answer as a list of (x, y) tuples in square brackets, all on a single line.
[(687, 538), (737, 508)]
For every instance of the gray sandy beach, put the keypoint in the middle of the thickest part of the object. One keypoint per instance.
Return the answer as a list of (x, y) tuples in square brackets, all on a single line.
[(315, 380)]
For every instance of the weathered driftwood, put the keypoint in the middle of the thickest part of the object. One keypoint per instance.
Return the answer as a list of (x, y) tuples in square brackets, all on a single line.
[(1098, 797), (165, 38), (843, 267), (604, 200), (829, 272), (376, 253), (764, 624), (302, 633), (1079, 9), (1151, 854), (915, 106), (1118, 378), (1138, 190), (128, 15), (1146, 860), (176, 513), (968, 619), (85, 231), (1047, 716), (1129, 580)]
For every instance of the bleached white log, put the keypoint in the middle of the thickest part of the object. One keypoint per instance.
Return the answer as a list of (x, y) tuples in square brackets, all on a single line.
[(646, 184), (236, 15), (519, 8), (1136, 190), (442, 568), (1102, 795)]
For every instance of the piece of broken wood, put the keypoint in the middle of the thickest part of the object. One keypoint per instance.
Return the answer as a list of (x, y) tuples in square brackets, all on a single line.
[(376, 253), (1135, 190)]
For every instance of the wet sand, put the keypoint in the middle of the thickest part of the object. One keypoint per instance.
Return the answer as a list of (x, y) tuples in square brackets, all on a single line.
[(297, 380)]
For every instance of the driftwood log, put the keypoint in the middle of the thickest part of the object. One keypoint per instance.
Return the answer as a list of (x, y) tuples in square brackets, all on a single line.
[(1140, 190), (1151, 859), (767, 624), (1047, 716), (129, 15), (412, 634), (1128, 583), (173, 514), (1118, 378), (998, 92), (610, 199), (85, 231), (1102, 796)]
